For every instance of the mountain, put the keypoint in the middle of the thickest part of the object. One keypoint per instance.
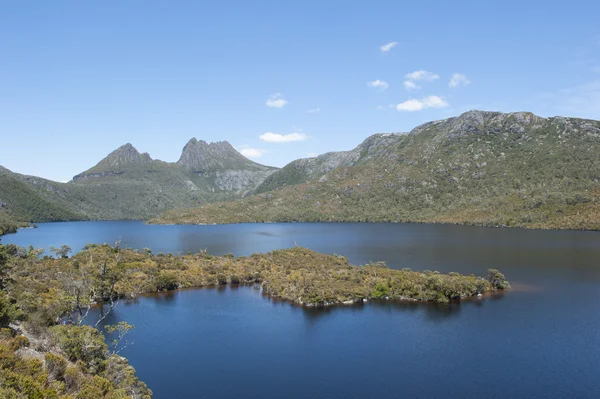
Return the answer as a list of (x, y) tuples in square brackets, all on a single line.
[(307, 169), (118, 161), (27, 198), (128, 184), (483, 168), (200, 156)]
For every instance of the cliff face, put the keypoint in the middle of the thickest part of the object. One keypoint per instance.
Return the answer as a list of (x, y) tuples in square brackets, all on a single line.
[(200, 156)]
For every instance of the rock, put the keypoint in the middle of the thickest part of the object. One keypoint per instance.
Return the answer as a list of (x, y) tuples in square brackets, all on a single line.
[(200, 156), (29, 354)]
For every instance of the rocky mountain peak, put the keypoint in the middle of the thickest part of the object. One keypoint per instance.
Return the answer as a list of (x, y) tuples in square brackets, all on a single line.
[(200, 156), (122, 158), (481, 122), (125, 155)]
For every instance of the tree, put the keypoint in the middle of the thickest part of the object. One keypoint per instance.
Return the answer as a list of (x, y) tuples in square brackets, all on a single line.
[(9, 312), (62, 252), (6, 253), (120, 330), (497, 279)]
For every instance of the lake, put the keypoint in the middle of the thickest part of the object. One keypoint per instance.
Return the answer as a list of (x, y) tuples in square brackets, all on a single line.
[(540, 340)]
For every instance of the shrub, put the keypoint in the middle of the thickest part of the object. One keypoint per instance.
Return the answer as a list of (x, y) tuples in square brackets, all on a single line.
[(166, 281), (380, 290), (83, 343), (55, 365)]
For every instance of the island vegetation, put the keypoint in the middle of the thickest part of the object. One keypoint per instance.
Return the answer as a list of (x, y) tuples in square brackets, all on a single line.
[(47, 351), (7, 225)]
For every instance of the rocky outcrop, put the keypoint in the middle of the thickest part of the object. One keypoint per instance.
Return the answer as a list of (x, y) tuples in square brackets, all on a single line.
[(481, 122), (308, 169), (116, 162), (241, 182), (125, 155), (200, 156)]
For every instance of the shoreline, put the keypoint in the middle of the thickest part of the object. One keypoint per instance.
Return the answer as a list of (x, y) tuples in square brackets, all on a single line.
[(151, 223)]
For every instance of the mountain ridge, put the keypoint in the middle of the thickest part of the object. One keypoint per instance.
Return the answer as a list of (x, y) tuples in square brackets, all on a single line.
[(197, 156), (127, 184), (485, 168), (481, 167)]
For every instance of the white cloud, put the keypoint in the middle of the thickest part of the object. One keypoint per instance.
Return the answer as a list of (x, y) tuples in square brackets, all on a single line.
[(282, 138), (379, 84), (313, 110), (410, 85), (276, 101), (458, 79), (421, 104), (422, 75), (388, 46), (250, 152)]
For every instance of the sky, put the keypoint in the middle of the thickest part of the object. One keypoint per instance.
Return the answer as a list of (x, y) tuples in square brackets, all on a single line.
[(279, 80)]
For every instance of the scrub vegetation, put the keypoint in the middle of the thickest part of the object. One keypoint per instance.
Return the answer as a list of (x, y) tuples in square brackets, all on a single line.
[(482, 168), (48, 351), (45, 349)]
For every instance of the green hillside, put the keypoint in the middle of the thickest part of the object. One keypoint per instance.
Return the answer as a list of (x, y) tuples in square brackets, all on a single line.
[(25, 202), (482, 168), (130, 185)]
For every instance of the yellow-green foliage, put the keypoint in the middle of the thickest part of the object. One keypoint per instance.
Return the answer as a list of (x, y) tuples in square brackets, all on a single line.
[(64, 361), (52, 375), (55, 365), (75, 361), (299, 275)]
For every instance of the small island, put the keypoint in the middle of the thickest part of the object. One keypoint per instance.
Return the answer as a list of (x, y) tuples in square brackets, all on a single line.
[(47, 350)]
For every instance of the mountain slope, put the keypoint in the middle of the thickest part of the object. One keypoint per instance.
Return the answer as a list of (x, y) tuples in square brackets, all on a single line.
[(307, 169), (122, 159), (21, 201), (130, 185), (484, 168)]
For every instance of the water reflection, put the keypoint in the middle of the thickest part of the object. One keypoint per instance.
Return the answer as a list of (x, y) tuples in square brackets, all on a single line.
[(538, 340), (432, 311)]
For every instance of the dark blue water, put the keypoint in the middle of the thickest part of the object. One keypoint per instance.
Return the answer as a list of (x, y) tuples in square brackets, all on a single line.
[(540, 340)]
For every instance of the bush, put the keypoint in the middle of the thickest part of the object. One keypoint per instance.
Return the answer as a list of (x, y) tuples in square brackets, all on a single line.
[(496, 279), (72, 378), (166, 281), (381, 290), (221, 279), (83, 343), (9, 312), (55, 365)]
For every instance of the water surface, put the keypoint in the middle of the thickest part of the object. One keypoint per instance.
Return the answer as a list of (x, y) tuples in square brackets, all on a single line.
[(540, 340)]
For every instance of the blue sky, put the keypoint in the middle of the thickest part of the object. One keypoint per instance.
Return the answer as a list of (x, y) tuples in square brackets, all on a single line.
[(278, 80)]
